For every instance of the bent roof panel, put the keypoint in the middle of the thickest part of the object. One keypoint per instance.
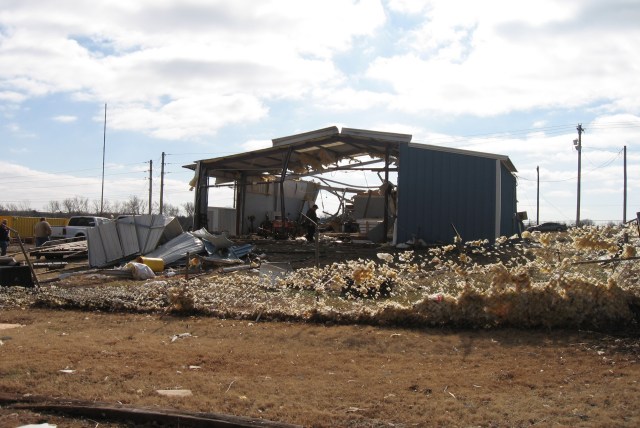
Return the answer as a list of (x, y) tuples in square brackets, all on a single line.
[(325, 143)]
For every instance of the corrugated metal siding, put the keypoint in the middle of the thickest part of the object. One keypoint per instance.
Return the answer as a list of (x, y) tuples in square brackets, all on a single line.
[(106, 236), (508, 225), (177, 248), (437, 189), (129, 236), (97, 253)]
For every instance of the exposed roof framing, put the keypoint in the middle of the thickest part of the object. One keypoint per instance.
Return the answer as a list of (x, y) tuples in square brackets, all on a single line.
[(319, 151), (311, 152)]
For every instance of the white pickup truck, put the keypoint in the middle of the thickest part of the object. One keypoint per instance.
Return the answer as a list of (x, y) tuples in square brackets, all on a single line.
[(77, 227)]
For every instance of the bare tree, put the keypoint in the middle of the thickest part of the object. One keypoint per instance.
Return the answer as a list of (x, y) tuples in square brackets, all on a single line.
[(189, 208), (12, 208), (134, 205), (106, 207), (53, 207), (117, 207), (76, 205), (171, 210), (83, 203), (25, 207), (68, 205)]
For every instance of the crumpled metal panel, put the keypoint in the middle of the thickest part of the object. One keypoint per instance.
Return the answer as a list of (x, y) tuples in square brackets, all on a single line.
[(172, 229), (129, 236), (240, 251), (103, 244), (149, 229), (220, 241), (177, 248), (96, 252)]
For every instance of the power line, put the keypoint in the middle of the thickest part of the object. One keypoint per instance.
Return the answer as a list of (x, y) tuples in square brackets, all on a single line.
[(603, 165)]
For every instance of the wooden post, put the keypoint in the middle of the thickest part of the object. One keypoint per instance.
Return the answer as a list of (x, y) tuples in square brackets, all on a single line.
[(26, 257)]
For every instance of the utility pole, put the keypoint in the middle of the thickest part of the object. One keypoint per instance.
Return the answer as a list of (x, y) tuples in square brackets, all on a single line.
[(104, 147), (624, 203), (161, 182), (538, 196), (578, 145), (150, 183)]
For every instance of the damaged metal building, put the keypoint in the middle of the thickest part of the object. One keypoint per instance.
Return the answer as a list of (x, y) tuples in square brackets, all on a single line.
[(439, 190)]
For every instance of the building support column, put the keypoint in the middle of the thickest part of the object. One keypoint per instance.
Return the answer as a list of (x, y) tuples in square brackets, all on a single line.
[(387, 192), (201, 198), (498, 214)]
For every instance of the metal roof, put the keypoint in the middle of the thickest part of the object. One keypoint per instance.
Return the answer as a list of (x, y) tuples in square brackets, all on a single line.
[(502, 158), (301, 153), (316, 151)]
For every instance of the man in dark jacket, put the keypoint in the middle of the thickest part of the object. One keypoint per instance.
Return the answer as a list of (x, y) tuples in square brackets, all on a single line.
[(312, 220)]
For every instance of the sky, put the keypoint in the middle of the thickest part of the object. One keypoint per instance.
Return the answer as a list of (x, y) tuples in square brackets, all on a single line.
[(198, 79)]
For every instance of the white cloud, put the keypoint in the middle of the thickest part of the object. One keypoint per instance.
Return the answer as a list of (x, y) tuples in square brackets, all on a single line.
[(65, 118), (12, 96), (256, 145), (183, 68), (490, 58)]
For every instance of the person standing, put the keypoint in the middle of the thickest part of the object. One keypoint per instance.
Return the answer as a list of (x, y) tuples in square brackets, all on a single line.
[(42, 231), (312, 221), (4, 237)]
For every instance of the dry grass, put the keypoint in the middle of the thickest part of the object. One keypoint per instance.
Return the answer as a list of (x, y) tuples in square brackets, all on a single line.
[(347, 360), (318, 375)]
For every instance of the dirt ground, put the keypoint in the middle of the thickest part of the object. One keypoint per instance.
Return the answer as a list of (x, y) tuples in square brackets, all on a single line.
[(320, 375)]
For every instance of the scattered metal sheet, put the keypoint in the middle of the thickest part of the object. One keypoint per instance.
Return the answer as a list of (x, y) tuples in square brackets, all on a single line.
[(177, 248), (216, 260), (270, 272), (106, 237), (240, 251), (220, 241), (97, 252), (129, 236)]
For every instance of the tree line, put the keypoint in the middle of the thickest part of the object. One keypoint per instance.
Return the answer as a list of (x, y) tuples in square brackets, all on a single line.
[(79, 205)]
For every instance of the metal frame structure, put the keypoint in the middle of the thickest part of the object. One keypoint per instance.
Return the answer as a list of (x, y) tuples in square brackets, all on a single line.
[(294, 157), (309, 154)]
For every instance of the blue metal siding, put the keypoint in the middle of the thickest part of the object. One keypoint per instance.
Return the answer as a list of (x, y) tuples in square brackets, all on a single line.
[(437, 189), (508, 225)]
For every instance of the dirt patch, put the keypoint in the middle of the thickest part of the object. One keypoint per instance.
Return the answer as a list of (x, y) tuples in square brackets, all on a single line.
[(317, 375), (96, 338)]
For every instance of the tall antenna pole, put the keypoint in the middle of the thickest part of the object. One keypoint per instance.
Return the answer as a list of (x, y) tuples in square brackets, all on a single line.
[(538, 196), (624, 204), (578, 144), (150, 183), (104, 146), (161, 181)]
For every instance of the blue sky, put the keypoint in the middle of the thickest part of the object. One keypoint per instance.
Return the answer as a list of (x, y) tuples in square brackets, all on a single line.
[(203, 78)]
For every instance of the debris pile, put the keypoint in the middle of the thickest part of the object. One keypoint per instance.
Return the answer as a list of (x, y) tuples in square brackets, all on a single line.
[(541, 281)]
